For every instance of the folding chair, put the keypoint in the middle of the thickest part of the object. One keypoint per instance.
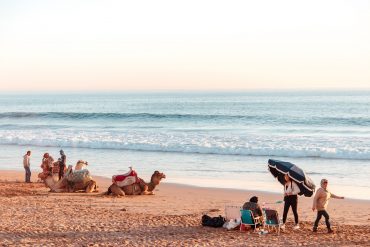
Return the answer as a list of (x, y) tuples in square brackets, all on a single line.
[(232, 212), (248, 219), (272, 219)]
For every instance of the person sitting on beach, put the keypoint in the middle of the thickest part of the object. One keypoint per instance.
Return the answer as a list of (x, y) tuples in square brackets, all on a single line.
[(320, 202), (46, 165), (254, 207)]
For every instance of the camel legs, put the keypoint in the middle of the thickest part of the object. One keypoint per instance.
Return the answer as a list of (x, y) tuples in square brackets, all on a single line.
[(59, 190), (145, 190), (91, 186), (116, 190)]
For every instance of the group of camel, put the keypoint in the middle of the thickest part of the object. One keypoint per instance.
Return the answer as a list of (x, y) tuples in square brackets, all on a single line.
[(80, 180)]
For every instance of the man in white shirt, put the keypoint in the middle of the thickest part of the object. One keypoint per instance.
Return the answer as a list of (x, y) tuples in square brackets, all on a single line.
[(26, 165)]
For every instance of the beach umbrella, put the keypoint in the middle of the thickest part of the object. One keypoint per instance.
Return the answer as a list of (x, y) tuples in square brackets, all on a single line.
[(279, 168)]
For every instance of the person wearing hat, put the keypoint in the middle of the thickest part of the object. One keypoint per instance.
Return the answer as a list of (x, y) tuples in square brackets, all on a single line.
[(62, 164), (320, 202)]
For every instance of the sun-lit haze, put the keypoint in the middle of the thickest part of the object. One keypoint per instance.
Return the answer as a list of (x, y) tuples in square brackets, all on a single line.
[(184, 45)]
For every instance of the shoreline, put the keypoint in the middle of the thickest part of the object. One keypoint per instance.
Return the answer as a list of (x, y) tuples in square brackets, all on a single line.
[(106, 180), (219, 171)]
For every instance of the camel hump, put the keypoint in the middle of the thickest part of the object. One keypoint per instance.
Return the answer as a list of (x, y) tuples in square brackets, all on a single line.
[(126, 179), (79, 176)]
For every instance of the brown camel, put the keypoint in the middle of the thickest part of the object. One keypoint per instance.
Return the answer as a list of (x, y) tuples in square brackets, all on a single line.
[(64, 186), (141, 188), (68, 184)]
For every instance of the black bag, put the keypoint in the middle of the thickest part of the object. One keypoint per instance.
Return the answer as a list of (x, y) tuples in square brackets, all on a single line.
[(213, 221)]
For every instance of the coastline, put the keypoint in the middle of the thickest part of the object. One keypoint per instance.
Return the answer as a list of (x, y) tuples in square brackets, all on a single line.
[(220, 171), (104, 182)]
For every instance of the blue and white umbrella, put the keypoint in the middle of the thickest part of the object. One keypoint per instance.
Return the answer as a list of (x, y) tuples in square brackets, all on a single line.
[(280, 168)]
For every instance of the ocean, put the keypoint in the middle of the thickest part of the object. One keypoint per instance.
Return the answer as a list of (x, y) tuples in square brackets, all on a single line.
[(203, 139)]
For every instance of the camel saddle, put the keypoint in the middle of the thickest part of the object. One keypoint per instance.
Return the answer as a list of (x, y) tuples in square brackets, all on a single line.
[(80, 176), (126, 179)]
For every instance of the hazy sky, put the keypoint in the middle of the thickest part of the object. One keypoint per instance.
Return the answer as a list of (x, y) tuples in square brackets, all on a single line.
[(184, 45)]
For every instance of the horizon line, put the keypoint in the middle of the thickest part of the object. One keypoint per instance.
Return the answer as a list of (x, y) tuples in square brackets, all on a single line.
[(179, 91)]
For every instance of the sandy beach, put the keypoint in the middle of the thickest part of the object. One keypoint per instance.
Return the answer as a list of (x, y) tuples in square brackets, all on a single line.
[(31, 216)]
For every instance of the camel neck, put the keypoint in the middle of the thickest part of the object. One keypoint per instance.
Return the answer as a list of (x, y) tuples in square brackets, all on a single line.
[(151, 186)]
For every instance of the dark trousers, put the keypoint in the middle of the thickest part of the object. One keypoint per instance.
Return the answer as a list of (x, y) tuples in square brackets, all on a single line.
[(290, 201), (61, 172), (28, 174), (318, 218)]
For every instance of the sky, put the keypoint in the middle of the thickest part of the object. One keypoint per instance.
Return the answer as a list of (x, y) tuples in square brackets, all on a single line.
[(184, 45)]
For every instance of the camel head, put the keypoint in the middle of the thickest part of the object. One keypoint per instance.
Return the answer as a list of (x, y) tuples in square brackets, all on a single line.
[(157, 177), (82, 162)]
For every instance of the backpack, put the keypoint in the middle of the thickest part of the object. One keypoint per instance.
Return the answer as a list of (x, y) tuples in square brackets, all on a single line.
[(213, 221)]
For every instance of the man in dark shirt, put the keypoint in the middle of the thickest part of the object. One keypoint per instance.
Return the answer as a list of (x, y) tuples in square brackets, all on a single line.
[(62, 163)]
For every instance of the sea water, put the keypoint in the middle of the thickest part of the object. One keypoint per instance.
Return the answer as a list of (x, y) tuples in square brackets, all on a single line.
[(203, 139)]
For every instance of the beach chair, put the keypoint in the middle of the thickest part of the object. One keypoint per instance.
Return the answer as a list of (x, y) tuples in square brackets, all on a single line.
[(248, 219), (272, 219), (232, 212)]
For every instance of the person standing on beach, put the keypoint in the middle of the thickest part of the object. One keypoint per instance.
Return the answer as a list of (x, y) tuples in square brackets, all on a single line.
[(26, 165), (291, 191), (62, 163), (320, 202)]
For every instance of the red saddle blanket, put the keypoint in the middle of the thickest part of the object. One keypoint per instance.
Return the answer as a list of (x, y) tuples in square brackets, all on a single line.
[(128, 178)]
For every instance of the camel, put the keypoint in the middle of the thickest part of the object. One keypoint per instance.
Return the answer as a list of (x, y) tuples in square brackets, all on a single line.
[(70, 184), (140, 188), (80, 165)]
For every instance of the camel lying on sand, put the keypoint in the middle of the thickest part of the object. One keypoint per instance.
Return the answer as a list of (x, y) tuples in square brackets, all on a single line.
[(140, 188), (72, 182)]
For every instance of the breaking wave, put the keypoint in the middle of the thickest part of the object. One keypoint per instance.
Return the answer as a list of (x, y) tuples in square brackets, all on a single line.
[(274, 119), (252, 145)]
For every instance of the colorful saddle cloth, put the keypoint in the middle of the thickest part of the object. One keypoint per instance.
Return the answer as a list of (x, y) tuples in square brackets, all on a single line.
[(81, 176), (126, 179)]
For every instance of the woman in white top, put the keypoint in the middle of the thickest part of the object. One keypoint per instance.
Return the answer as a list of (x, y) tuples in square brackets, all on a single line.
[(291, 191)]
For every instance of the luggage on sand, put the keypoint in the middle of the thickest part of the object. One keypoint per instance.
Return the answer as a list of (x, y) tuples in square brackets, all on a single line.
[(213, 221)]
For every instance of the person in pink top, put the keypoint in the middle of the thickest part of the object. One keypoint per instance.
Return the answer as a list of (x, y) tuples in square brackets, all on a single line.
[(320, 202)]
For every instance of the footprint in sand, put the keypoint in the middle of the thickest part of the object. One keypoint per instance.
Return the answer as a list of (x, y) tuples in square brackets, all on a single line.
[(214, 210)]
